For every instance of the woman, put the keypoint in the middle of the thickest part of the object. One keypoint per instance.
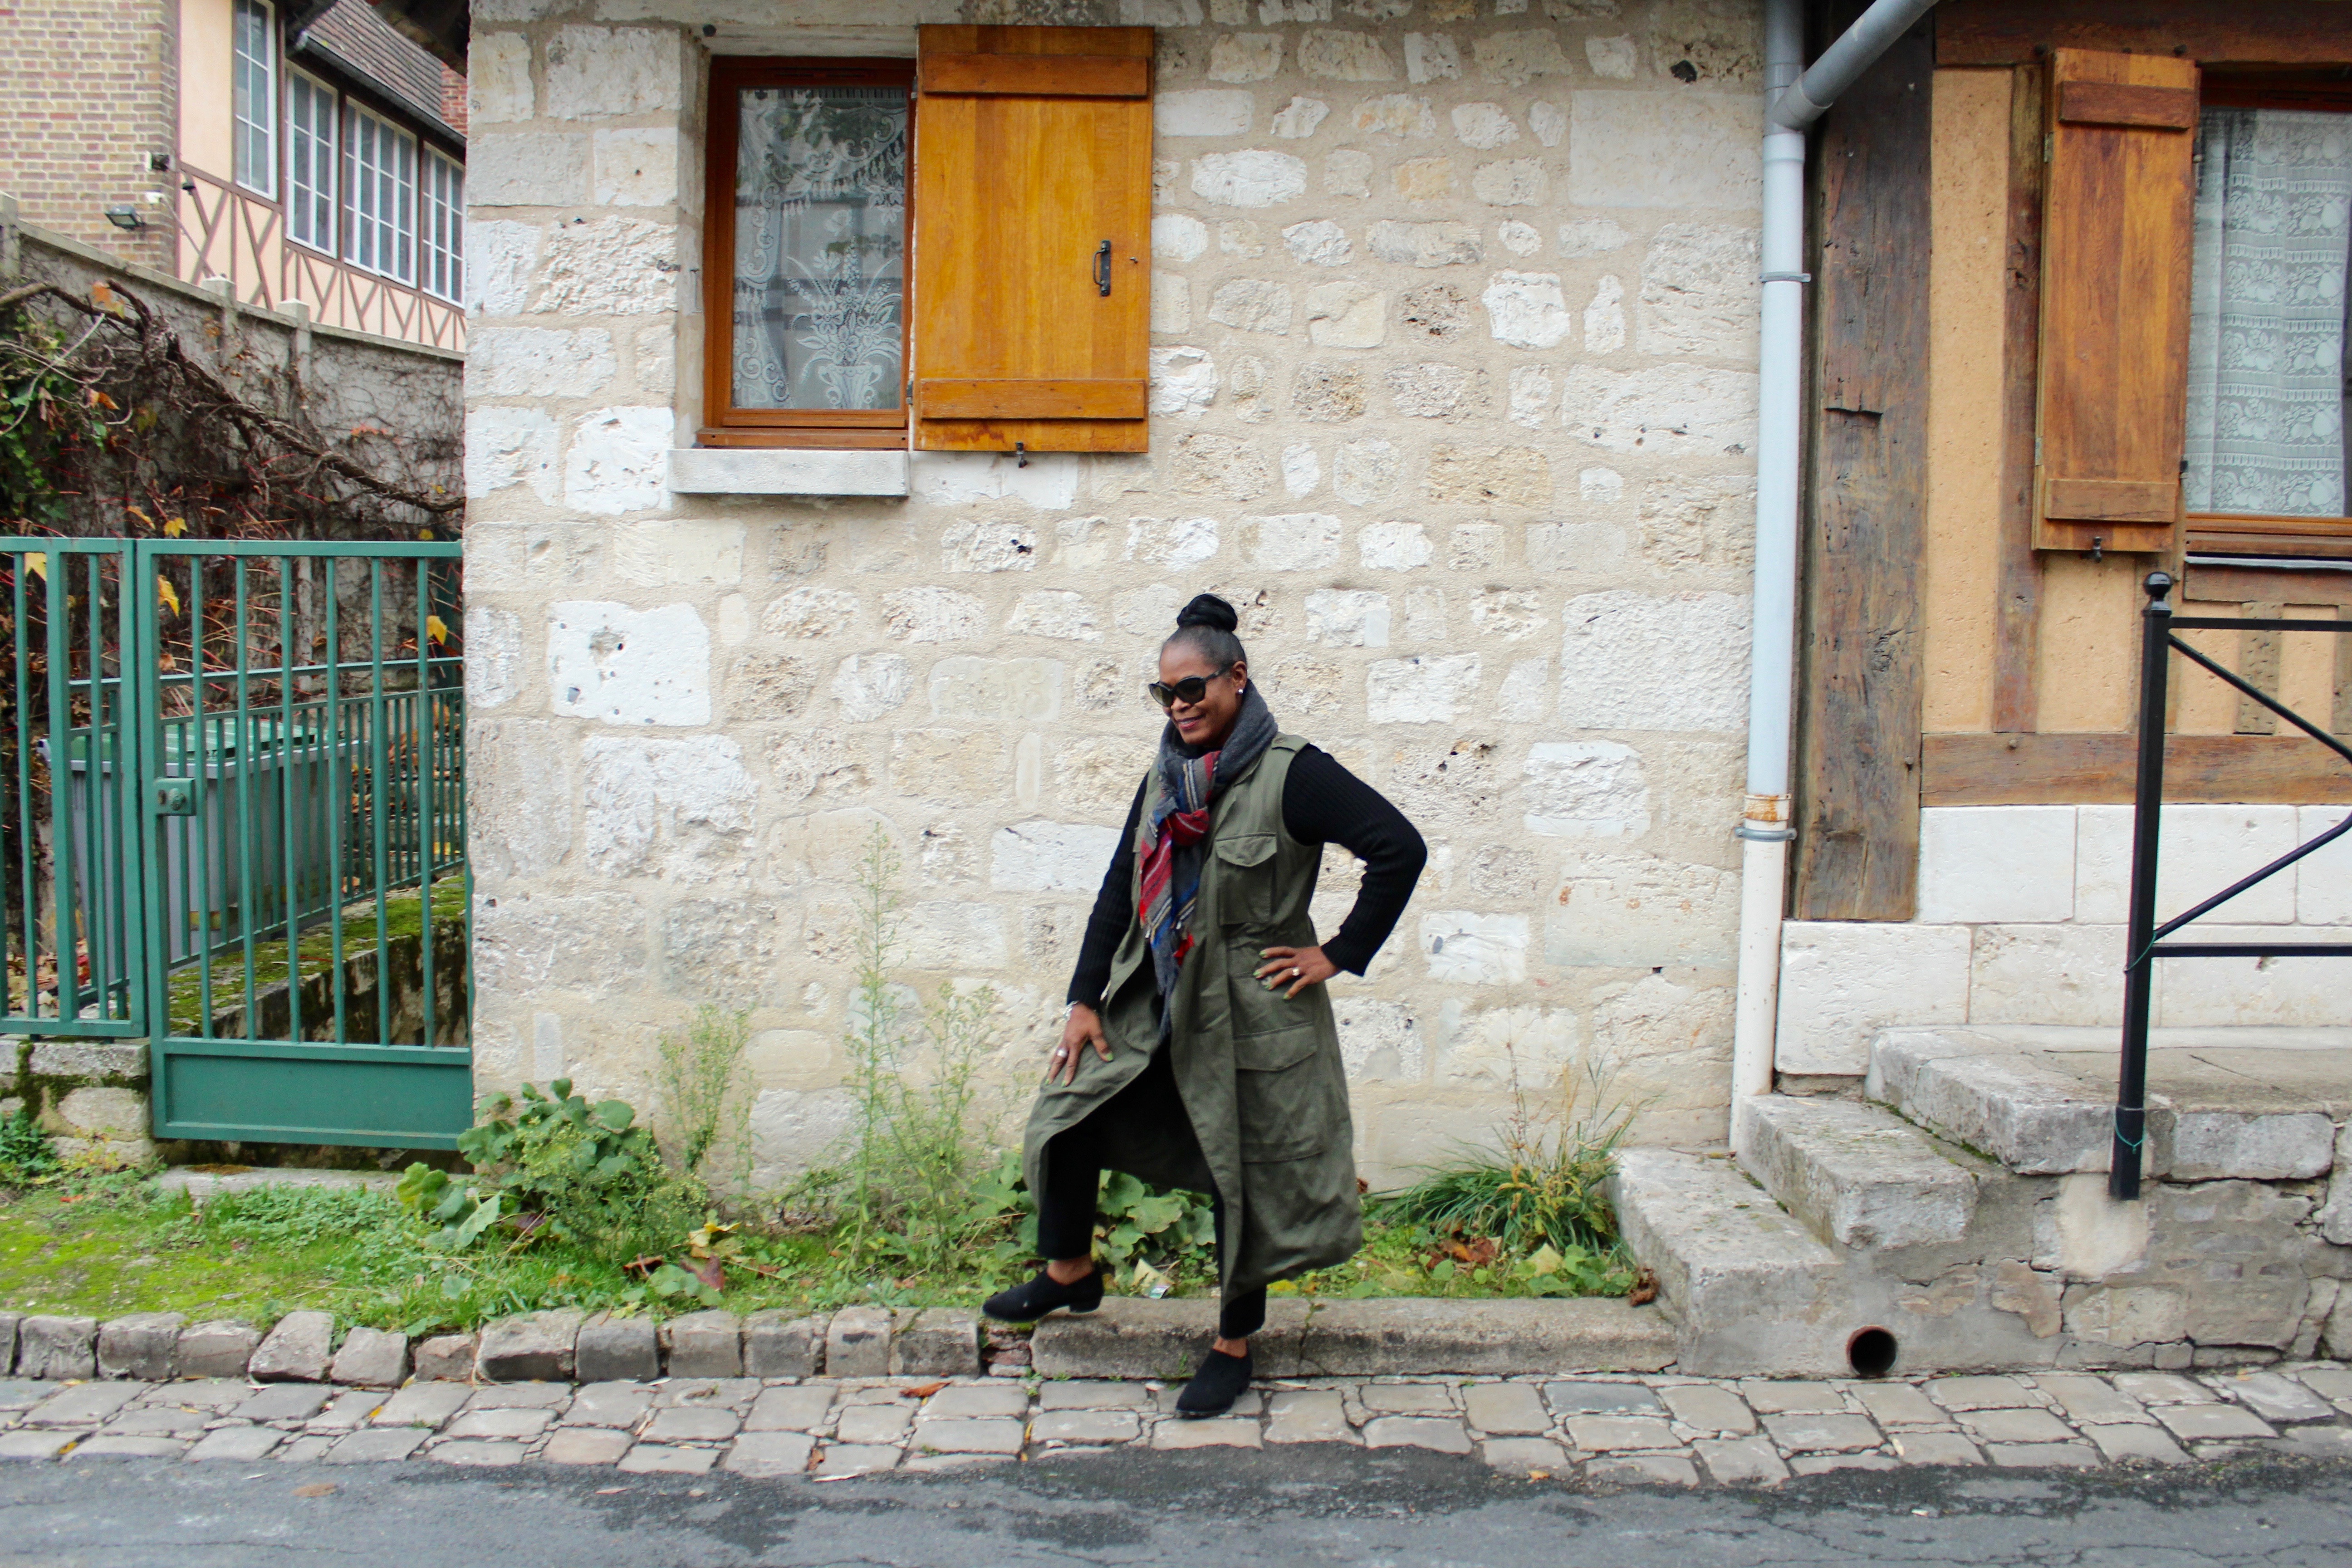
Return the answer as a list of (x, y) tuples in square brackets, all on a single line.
[(1214, 1064)]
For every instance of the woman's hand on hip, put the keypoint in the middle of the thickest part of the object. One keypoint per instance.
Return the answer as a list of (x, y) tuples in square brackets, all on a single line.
[(1082, 1025), (1297, 967)]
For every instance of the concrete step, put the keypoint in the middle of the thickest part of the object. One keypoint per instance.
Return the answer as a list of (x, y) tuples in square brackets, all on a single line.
[(1986, 1090), (1129, 1337), (1754, 1290), (1856, 1175)]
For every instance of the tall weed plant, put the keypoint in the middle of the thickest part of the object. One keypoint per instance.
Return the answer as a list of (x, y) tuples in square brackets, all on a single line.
[(706, 1093), (908, 1182), (1543, 1185)]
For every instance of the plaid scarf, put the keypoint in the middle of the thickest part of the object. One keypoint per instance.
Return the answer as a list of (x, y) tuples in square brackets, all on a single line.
[(1168, 844)]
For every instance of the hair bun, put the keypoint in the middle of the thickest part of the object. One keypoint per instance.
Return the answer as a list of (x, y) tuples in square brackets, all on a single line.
[(1208, 610)]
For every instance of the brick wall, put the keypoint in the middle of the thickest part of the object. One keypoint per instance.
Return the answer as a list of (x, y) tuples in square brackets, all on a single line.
[(87, 91)]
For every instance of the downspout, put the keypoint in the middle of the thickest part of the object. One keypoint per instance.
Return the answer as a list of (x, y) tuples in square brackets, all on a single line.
[(1793, 99)]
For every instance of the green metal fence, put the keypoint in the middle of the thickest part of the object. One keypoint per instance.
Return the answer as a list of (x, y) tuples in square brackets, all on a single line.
[(256, 817)]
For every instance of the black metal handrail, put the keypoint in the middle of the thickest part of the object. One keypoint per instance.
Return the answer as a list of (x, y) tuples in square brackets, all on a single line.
[(2145, 943)]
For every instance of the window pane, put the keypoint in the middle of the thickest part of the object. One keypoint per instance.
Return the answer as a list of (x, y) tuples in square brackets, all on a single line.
[(2266, 324), (820, 246), (310, 163), (253, 95)]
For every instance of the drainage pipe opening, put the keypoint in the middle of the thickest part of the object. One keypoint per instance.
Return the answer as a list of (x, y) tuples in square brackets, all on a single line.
[(1871, 1352)]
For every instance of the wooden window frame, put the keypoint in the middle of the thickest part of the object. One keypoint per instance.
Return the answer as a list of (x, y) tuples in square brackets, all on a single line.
[(723, 423), (255, 169), (2209, 533), (301, 195), (367, 230)]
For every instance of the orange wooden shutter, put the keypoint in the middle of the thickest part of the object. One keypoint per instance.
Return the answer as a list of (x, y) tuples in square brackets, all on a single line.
[(2115, 300), (1032, 148)]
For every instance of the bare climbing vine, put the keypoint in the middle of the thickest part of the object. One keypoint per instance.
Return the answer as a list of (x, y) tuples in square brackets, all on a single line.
[(110, 425)]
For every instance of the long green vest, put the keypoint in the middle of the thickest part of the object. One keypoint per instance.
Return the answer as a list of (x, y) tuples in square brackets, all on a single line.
[(1265, 1117)]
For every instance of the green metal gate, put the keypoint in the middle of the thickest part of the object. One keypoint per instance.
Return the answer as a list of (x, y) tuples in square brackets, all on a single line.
[(234, 818)]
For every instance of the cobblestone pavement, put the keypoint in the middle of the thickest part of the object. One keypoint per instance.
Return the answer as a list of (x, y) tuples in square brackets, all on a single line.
[(1601, 1429)]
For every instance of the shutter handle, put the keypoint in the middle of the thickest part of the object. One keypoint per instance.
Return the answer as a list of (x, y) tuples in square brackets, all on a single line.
[(1102, 270)]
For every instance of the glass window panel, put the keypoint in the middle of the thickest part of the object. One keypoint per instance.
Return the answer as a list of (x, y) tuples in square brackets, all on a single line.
[(441, 236), (253, 95), (2267, 373), (310, 162), (820, 246), (383, 196)]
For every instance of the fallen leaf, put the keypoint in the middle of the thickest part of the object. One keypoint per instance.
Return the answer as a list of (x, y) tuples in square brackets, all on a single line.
[(922, 1390), (317, 1488), (1645, 1291)]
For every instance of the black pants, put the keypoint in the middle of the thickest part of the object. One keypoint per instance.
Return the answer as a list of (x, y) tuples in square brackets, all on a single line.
[(1073, 1168)]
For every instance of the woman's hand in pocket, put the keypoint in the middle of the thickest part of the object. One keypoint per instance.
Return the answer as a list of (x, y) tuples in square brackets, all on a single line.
[(1296, 967)]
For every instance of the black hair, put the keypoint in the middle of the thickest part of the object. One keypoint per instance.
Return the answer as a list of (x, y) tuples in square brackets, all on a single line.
[(1206, 626)]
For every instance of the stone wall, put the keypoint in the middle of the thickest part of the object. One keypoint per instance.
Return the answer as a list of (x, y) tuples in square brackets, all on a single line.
[(2021, 921), (1453, 320)]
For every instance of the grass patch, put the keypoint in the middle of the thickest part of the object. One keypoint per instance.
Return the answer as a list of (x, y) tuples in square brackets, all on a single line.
[(120, 1246)]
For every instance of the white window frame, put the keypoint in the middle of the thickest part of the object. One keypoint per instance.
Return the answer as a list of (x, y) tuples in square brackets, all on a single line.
[(312, 185), (440, 224), (253, 95), (380, 232)]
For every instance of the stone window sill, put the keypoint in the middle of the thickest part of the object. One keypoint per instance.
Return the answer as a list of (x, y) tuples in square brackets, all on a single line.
[(785, 471)]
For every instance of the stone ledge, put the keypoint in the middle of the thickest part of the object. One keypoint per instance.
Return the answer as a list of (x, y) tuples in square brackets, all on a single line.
[(1395, 1337), (785, 471)]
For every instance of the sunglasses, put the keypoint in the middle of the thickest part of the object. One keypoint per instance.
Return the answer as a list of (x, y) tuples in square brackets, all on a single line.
[(1189, 690)]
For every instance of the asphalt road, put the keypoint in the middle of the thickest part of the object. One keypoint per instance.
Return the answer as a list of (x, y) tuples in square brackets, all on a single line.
[(1298, 1507)]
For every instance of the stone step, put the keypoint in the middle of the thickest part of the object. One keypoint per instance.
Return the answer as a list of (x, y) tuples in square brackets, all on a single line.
[(1754, 1290), (1856, 1174), (1986, 1090), (1131, 1337)]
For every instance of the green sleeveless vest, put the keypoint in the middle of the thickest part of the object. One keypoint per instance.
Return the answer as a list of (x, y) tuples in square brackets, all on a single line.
[(1264, 1119)]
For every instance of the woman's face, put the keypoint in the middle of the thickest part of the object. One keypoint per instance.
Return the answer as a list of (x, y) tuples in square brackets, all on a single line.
[(1207, 722)]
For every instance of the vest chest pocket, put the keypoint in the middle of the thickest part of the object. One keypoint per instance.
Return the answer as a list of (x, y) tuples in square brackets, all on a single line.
[(1245, 880)]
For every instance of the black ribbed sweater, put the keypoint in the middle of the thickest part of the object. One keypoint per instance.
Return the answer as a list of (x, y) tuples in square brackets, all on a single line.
[(1322, 803)]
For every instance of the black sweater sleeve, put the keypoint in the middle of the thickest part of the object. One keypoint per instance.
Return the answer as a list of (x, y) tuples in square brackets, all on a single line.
[(1322, 803), (1114, 908)]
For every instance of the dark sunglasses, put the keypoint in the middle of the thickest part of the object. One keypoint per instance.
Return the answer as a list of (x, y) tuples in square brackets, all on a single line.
[(1189, 690)]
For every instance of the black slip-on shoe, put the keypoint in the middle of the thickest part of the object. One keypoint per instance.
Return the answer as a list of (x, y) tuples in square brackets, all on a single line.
[(1220, 1380), (1027, 1303)]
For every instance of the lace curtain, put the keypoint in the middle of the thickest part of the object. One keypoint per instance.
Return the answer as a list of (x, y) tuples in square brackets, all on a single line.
[(820, 246), (2266, 334)]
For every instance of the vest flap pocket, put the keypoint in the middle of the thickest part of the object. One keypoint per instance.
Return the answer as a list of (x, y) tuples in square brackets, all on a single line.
[(1245, 873), (1276, 1049), (1246, 848)]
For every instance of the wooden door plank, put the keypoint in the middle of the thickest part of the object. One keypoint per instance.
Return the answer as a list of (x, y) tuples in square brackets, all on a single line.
[(1098, 399), (1051, 76), (2212, 32), (2115, 310), (2097, 770), (1865, 533), (2019, 626)]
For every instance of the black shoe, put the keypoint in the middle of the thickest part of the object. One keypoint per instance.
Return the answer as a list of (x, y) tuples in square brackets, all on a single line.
[(1220, 1379), (1027, 1303)]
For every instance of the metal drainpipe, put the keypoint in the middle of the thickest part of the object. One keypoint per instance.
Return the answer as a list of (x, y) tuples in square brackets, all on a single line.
[(1793, 98)]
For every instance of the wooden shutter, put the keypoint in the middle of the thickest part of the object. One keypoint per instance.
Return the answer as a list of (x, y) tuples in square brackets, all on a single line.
[(1032, 148), (2115, 300)]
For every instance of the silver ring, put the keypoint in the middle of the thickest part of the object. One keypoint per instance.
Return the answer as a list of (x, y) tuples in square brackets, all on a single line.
[(1293, 974)]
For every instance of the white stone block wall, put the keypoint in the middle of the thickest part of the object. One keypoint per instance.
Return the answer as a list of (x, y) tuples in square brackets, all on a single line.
[(2021, 913), (1454, 323)]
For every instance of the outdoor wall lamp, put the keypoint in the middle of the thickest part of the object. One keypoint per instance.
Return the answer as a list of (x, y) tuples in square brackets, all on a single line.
[(125, 216)]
